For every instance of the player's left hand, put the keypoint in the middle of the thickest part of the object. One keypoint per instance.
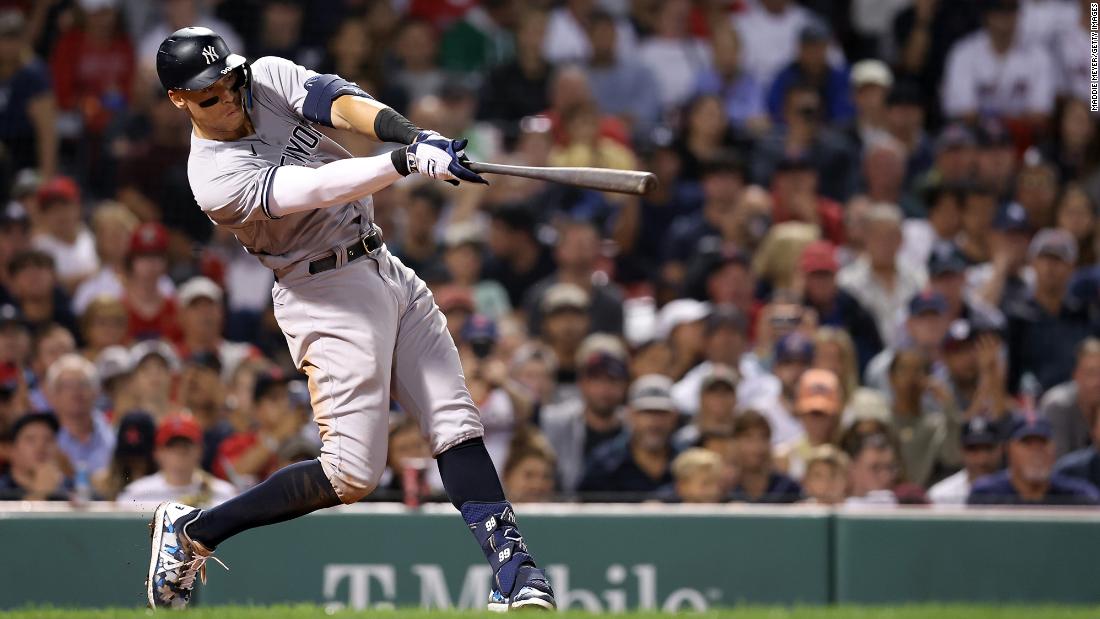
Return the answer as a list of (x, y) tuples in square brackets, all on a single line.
[(438, 157)]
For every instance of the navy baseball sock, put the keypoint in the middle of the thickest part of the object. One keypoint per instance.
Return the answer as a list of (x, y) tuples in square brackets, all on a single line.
[(292, 491), (473, 486)]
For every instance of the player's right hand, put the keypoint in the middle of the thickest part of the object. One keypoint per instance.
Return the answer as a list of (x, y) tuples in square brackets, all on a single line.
[(442, 159)]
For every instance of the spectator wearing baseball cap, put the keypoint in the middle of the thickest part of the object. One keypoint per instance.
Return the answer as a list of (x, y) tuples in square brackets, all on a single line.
[(680, 323), (996, 156), (153, 365), (133, 456), (1072, 406), (793, 355), (982, 453), (638, 461), (202, 322), (818, 405), (61, 233), (566, 322), (1005, 279), (502, 406), (974, 368), (178, 453), (834, 305), (1030, 478), (955, 149), (152, 314), (871, 81), (717, 402), (1044, 330), (811, 67), (34, 470), (576, 427), (924, 330), (757, 479)]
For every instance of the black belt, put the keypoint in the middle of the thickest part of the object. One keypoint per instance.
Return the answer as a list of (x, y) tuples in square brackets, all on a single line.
[(369, 244)]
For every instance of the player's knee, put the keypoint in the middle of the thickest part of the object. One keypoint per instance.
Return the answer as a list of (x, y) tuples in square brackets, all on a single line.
[(354, 484)]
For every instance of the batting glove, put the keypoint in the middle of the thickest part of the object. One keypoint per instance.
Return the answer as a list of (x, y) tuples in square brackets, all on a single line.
[(442, 159)]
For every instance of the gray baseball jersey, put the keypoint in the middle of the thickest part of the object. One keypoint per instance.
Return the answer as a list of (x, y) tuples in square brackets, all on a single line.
[(361, 332), (232, 180)]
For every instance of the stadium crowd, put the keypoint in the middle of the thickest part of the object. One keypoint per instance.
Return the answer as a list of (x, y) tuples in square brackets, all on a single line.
[(868, 275)]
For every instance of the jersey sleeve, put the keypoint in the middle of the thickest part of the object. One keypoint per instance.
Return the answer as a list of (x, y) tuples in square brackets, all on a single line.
[(236, 196), (286, 80)]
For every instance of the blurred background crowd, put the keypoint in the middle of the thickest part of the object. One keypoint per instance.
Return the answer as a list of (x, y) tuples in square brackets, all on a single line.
[(869, 273)]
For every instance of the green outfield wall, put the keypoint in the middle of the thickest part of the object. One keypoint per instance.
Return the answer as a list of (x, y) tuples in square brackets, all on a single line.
[(599, 558)]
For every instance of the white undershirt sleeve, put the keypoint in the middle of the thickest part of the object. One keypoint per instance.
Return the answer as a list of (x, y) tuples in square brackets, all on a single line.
[(298, 188)]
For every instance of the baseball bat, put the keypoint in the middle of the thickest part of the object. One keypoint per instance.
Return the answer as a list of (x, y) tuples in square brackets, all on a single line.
[(618, 181)]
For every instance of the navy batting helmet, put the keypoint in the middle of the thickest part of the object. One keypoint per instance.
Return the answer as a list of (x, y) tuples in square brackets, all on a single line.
[(194, 58)]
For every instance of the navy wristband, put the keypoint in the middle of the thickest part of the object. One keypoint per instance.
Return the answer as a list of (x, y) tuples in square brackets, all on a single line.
[(389, 126)]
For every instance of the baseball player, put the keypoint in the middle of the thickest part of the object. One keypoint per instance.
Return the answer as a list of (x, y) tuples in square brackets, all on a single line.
[(361, 325)]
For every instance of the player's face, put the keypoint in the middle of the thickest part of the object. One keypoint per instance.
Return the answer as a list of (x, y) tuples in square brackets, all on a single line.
[(215, 108)]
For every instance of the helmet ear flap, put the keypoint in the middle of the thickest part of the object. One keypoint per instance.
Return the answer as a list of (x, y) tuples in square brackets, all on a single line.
[(246, 79)]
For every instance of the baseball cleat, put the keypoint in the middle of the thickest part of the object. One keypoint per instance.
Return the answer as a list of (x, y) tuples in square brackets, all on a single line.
[(175, 559), (534, 593)]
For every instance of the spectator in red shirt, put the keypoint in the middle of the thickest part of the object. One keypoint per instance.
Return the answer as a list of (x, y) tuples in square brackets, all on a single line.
[(151, 314), (794, 190), (93, 66)]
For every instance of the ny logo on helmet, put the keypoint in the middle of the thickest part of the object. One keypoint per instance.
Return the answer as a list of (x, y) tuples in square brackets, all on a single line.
[(209, 54)]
